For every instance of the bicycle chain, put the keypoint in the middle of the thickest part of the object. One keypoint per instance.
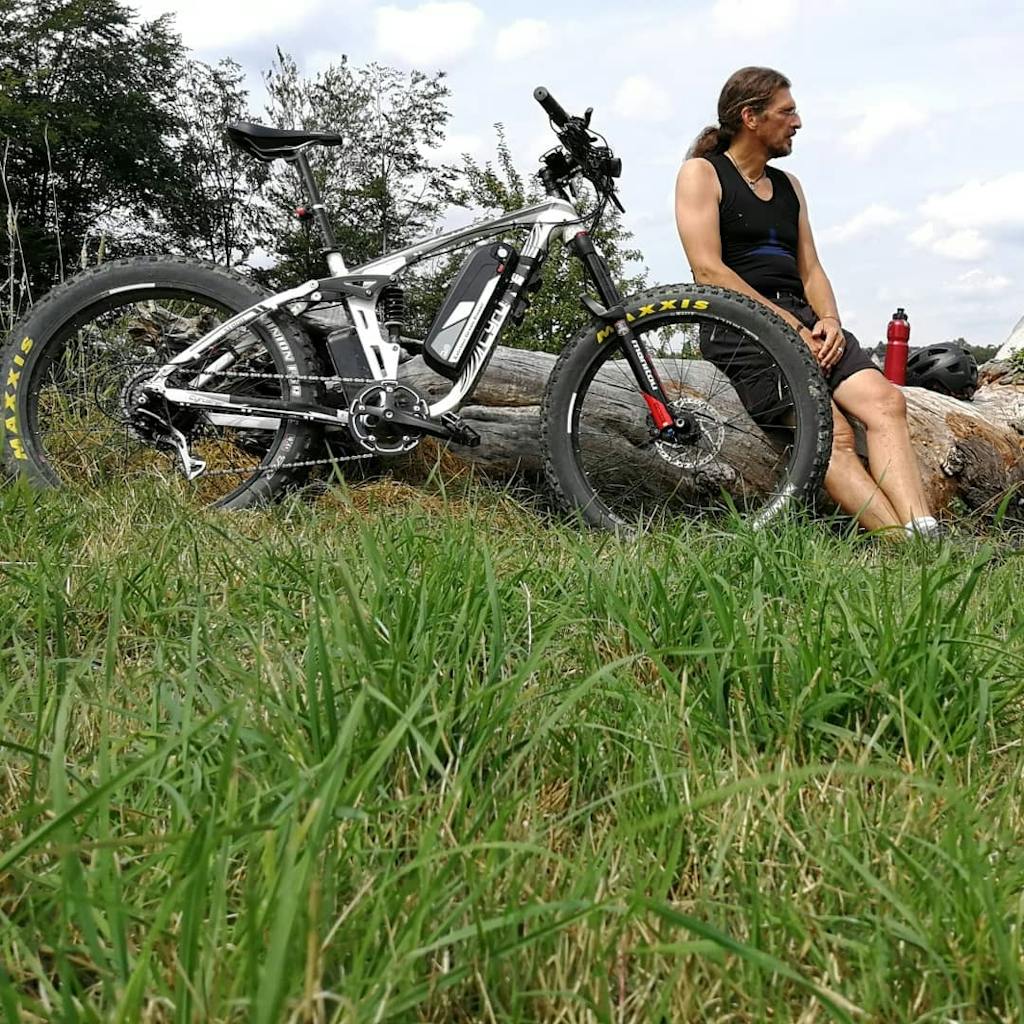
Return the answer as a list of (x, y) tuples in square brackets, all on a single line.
[(302, 464), (301, 378)]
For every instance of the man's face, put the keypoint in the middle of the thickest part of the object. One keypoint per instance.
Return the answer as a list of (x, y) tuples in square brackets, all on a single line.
[(776, 125)]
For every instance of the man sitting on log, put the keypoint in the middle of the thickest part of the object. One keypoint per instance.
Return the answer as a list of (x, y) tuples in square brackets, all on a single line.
[(744, 226)]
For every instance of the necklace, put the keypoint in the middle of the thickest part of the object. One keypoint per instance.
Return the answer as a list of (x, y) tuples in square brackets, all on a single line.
[(752, 182)]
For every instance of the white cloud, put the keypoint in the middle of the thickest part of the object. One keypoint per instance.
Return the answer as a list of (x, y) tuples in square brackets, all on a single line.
[(521, 38), (877, 215), (206, 26), (962, 244), (980, 204), (430, 33), (752, 18), (924, 235), (978, 281), (882, 120), (641, 99), (958, 223)]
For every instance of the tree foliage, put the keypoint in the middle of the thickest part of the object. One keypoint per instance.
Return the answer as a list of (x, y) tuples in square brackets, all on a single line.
[(86, 113), (108, 129), (383, 188), (555, 313), (212, 210)]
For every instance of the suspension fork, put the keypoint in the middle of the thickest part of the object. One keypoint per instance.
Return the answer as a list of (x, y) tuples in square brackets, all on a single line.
[(614, 315)]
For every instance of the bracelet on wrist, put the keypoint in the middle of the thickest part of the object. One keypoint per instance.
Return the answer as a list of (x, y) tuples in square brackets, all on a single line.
[(837, 320)]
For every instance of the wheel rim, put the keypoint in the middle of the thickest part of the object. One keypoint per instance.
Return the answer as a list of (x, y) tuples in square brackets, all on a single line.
[(728, 464), (84, 432)]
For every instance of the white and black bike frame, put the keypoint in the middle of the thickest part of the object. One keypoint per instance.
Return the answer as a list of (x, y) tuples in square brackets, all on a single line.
[(360, 290)]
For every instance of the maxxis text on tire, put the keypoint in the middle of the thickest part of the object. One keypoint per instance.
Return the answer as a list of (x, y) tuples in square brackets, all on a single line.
[(34, 343)]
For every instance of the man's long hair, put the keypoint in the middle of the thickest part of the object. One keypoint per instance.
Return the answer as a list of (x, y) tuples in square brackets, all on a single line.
[(748, 87)]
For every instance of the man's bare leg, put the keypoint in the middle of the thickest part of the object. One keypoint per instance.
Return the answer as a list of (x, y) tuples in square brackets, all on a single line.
[(850, 485), (881, 407)]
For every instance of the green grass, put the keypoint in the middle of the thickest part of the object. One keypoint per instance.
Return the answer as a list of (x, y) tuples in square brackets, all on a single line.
[(392, 756)]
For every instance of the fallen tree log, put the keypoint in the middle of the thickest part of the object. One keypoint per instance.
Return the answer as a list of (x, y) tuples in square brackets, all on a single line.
[(971, 451)]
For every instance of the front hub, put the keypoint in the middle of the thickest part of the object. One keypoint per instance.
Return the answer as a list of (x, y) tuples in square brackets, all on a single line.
[(695, 437)]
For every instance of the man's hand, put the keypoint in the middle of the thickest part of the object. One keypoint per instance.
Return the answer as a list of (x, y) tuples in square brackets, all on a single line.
[(831, 343), (813, 343)]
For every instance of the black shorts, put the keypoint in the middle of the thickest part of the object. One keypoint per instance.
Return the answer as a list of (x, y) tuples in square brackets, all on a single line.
[(754, 375)]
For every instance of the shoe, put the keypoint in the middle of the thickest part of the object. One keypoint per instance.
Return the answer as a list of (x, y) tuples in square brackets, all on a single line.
[(925, 528)]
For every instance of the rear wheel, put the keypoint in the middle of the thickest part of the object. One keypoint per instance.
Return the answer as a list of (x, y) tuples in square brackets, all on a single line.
[(77, 416), (756, 415)]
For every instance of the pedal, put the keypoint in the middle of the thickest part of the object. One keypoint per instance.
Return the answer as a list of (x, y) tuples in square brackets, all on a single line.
[(461, 432)]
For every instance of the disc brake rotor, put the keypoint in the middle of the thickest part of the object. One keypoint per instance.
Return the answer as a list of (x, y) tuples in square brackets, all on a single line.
[(704, 449)]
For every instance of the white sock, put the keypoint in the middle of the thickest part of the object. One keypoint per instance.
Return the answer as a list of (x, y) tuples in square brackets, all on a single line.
[(923, 526)]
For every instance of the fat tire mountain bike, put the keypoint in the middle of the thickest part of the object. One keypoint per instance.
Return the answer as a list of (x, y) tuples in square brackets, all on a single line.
[(182, 369)]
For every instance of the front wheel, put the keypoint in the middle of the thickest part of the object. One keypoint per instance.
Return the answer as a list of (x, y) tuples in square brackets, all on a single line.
[(757, 431)]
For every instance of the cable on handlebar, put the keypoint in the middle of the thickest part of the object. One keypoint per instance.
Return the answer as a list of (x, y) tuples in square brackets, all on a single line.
[(598, 164)]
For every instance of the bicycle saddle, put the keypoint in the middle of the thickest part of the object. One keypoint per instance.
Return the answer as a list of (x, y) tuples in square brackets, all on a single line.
[(276, 143)]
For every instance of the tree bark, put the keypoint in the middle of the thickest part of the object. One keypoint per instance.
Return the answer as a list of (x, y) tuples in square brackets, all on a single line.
[(971, 451)]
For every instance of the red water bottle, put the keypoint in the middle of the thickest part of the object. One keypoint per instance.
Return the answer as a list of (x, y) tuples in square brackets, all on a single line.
[(896, 349)]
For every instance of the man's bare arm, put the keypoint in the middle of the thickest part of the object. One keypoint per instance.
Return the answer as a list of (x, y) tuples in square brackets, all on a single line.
[(697, 196), (817, 287)]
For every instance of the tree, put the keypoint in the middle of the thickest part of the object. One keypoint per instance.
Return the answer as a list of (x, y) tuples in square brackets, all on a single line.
[(213, 210), (86, 112), (383, 188), (981, 353), (555, 313)]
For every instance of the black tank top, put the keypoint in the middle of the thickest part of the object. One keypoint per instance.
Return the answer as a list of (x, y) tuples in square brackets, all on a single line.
[(759, 238)]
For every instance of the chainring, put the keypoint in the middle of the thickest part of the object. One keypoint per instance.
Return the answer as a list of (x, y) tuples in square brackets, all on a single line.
[(374, 406)]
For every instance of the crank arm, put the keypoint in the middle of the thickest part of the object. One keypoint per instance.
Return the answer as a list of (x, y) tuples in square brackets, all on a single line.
[(448, 428), (417, 425)]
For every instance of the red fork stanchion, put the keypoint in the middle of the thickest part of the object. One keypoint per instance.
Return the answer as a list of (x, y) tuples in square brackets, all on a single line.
[(897, 347)]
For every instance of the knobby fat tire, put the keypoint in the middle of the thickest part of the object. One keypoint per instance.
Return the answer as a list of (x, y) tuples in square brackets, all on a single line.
[(57, 312), (678, 304)]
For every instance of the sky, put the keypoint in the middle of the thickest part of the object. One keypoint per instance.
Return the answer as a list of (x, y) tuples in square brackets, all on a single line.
[(911, 153)]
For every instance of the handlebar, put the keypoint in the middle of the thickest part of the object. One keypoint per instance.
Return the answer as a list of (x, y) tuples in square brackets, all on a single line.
[(597, 163), (551, 105)]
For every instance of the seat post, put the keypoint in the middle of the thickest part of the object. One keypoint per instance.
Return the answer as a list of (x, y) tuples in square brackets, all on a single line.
[(335, 262)]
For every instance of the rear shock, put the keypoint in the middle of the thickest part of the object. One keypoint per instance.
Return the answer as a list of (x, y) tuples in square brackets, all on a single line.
[(392, 310)]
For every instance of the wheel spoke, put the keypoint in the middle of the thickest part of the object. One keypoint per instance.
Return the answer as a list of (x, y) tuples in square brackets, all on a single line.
[(720, 458), (92, 423)]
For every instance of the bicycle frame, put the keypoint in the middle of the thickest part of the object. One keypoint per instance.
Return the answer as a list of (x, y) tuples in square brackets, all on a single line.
[(361, 289)]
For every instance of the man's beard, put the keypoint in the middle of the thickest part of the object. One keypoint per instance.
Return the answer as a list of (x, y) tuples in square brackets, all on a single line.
[(784, 149)]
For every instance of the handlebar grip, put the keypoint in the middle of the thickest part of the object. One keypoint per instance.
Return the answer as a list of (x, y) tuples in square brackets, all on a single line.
[(551, 105)]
